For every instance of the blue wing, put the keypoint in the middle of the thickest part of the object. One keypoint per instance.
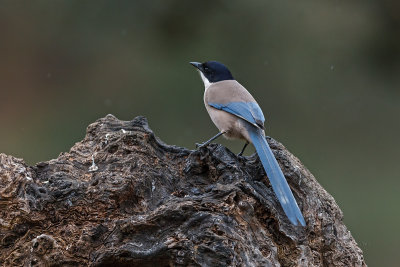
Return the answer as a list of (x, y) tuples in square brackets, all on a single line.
[(249, 111)]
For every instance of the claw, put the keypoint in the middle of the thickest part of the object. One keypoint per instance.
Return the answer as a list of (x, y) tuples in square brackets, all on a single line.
[(199, 145)]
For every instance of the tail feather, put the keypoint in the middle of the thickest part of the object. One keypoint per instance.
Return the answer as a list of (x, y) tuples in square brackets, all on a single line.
[(276, 177)]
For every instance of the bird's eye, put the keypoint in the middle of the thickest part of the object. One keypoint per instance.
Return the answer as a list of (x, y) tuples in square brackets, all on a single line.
[(206, 69)]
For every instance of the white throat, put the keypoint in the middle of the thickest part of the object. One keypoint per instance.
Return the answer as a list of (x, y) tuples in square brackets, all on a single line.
[(205, 81)]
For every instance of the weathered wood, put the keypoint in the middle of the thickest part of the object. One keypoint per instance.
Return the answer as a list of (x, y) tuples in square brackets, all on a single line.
[(122, 197)]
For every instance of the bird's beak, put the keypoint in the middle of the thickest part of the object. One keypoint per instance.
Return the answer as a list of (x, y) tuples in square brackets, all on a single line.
[(197, 65)]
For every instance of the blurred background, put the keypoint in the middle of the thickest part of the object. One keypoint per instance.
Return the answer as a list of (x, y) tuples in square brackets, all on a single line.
[(326, 74)]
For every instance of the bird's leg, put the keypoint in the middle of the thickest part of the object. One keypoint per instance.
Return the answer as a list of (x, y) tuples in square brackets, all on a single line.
[(241, 152), (209, 141)]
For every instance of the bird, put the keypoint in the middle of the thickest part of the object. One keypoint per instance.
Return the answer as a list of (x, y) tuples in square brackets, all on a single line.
[(237, 115)]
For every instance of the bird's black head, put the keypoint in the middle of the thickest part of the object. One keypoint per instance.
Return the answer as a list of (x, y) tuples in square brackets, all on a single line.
[(213, 71)]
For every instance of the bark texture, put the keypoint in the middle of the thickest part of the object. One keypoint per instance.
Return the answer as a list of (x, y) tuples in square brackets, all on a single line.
[(121, 197)]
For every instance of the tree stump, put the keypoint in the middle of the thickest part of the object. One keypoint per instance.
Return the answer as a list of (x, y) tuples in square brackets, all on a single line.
[(121, 197)]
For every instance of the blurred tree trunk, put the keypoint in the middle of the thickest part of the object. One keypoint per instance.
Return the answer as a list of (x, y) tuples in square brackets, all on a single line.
[(122, 197)]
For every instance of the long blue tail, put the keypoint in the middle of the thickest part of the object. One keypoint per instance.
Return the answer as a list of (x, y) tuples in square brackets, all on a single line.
[(276, 177)]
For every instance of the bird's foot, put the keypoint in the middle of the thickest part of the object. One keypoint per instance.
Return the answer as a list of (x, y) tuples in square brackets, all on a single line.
[(240, 157), (200, 145)]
